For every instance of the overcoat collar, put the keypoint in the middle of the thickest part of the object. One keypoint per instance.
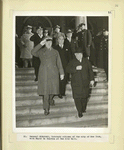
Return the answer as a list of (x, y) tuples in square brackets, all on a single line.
[(80, 63)]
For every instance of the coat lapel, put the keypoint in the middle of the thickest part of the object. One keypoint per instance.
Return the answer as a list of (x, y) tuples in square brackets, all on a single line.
[(77, 62)]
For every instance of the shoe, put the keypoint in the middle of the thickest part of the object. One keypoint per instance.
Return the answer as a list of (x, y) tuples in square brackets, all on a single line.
[(46, 112), (94, 66), (36, 79), (53, 103), (60, 96), (63, 95), (80, 114)]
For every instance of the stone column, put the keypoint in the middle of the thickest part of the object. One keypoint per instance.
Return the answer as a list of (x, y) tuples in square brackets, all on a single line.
[(62, 24), (81, 19)]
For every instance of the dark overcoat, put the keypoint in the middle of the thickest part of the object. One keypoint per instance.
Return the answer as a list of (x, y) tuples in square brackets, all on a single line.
[(104, 44), (85, 39), (49, 71), (68, 44), (36, 39), (80, 78), (63, 52)]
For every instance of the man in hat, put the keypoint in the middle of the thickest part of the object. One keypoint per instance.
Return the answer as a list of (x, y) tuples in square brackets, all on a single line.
[(68, 42), (37, 38), (61, 48), (82, 77), (49, 71), (84, 38), (56, 34), (26, 46)]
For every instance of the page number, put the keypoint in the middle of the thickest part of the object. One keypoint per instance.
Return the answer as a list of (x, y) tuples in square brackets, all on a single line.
[(109, 12), (116, 5)]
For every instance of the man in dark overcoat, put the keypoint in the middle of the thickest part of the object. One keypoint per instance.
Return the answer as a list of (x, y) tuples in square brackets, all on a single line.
[(68, 43), (104, 48), (82, 76), (37, 38), (84, 38), (49, 72), (63, 52)]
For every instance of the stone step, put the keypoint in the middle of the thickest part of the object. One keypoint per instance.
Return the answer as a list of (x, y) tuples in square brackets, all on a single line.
[(36, 100), (67, 97), (25, 76), (39, 121), (102, 123), (68, 94), (31, 79), (32, 83), (64, 107), (31, 70), (27, 92), (94, 90), (58, 114), (34, 86), (39, 100), (68, 86), (19, 76)]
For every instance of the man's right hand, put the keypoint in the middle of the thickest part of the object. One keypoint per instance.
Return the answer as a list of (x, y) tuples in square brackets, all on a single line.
[(62, 76), (43, 42), (79, 67)]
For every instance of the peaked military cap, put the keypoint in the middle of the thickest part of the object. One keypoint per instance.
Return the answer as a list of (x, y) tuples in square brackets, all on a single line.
[(69, 31), (57, 26), (49, 38)]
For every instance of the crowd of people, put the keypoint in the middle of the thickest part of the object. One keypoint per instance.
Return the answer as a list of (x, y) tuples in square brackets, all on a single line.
[(57, 57)]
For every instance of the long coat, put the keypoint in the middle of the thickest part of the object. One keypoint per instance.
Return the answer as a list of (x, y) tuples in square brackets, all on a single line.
[(27, 46), (63, 52), (84, 39), (68, 46), (49, 71), (80, 78)]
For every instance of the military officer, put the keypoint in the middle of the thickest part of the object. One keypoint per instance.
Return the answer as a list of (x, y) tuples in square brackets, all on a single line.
[(37, 38), (49, 72), (84, 38)]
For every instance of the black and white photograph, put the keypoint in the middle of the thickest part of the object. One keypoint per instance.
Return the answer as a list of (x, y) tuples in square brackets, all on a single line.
[(61, 71)]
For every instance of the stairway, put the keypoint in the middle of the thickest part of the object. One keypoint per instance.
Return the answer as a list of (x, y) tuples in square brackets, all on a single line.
[(30, 113)]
